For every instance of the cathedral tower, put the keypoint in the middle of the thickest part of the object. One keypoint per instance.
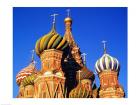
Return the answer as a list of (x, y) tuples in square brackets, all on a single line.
[(25, 80), (73, 62), (107, 68), (74, 49), (84, 87), (50, 83)]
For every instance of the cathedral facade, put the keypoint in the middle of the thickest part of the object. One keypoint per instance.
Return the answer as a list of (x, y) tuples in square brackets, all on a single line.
[(63, 72)]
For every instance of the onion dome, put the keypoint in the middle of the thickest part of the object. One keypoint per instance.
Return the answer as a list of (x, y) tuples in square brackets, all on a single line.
[(52, 40), (25, 72), (84, 73), (80, 92), (29, 80), (106, 63)]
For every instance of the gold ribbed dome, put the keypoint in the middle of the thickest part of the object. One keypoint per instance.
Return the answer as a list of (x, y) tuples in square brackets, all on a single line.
[(29, 80)]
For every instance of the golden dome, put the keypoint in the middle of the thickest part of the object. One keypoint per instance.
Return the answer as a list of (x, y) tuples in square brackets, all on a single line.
[(68, 19)]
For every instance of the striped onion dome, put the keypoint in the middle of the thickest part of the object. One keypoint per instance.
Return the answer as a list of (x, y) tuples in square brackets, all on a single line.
[(29, 80), (52, 40), (80, 92), (84, 74), (25, 72), (107, 62)]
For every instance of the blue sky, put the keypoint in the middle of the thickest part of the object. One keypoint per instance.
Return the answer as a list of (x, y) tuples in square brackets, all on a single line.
[(90, 26)]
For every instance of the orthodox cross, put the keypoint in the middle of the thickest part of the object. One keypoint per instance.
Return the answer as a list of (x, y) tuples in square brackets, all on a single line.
[(79, 72), (54, 17), (104, 45), (68, 12), (84, 58), (32, 59), (32, 51)]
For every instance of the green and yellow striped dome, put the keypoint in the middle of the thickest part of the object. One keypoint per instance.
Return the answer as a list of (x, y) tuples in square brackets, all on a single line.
[(29, 80), (52, 40)]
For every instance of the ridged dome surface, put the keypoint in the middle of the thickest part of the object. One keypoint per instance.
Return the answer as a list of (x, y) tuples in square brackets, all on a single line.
[(107, 62), (85, 74), (52, 40), (25, 72), (29, 80)]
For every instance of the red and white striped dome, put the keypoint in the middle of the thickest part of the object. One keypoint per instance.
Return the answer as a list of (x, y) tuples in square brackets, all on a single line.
[(25, 72)]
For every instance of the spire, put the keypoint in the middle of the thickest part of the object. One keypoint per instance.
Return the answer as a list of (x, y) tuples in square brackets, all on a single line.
[(68, 18), (68, 23), (32, 58), (84, 58), (54, 19), (68, 12), (74, 49), (79, 72), (104, 46)]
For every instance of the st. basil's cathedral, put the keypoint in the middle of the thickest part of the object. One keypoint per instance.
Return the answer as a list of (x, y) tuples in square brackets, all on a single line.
[(64, 73)]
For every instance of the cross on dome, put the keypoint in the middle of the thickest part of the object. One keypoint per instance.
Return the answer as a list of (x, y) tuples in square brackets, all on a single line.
[(68, 12), (84, 57), (104, 46), (79, 72), (32, 58), (54, 17), (32, 51)]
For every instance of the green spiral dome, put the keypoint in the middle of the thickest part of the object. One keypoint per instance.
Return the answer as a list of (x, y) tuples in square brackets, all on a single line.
[(29, 80), (80, 92), (52, 40)]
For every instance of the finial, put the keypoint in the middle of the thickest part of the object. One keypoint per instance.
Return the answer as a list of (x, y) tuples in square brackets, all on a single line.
[(84, 57), (79, 72), (32, 51), (104, 45), (54, 17), (68, 12)]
